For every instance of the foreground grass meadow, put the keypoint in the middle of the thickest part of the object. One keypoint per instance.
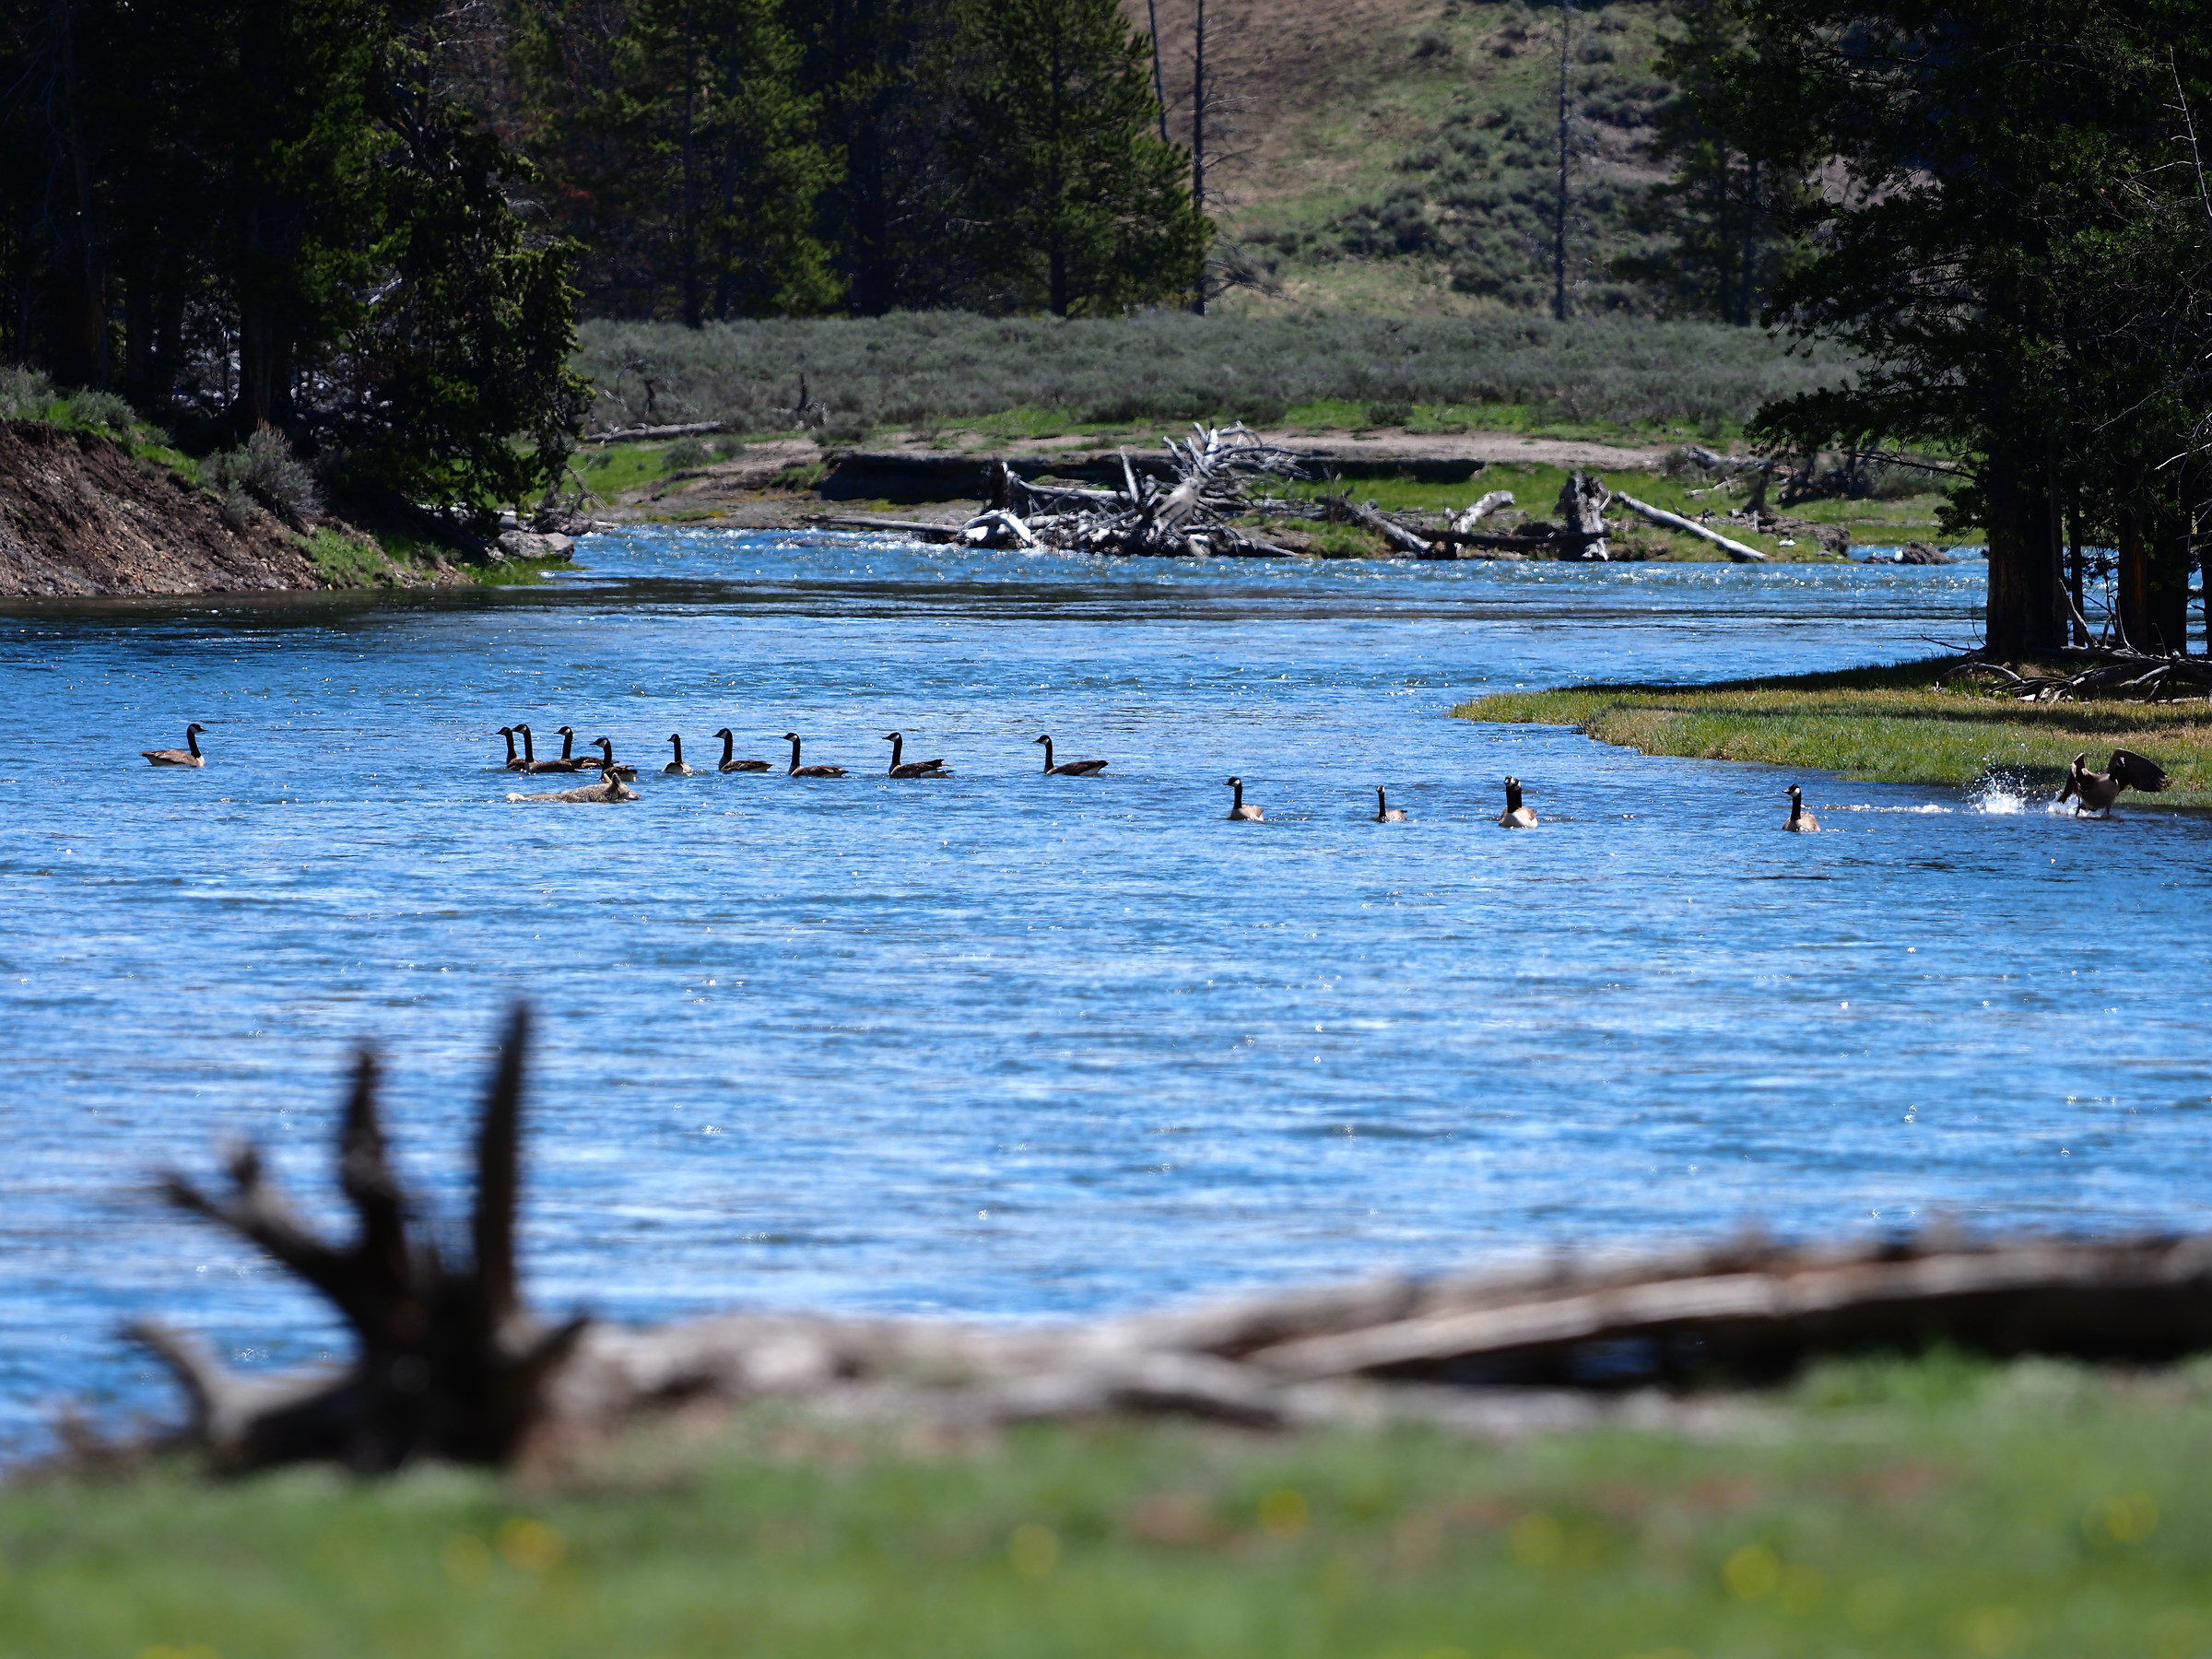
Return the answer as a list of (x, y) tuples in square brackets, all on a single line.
[(1914, 722), (1937, 1506)]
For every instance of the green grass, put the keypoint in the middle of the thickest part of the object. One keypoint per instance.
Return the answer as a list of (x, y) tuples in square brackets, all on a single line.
[(1911, 724), (1936, 1507)]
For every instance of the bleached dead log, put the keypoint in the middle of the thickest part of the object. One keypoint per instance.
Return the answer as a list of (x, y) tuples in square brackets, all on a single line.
[(1583, 499), (1471, 516), (1689, 527), (996, 529), (1365, 515), (646, 434)]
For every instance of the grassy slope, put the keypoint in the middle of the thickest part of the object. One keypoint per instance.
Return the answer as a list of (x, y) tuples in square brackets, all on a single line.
[(1932, 1508), (1338, 106), (1903, 724)]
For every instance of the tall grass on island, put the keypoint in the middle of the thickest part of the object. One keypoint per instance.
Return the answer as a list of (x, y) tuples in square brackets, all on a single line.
[(1931, 1507), (1914, 723), (930, 368)]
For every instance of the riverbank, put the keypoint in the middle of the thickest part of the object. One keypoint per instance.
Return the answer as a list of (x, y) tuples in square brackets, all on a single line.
[(1882, 1507), (1914, 722), (108, 509)]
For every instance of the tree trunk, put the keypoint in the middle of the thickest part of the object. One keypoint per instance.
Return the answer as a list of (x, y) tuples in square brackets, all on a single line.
[(2026, 610), (2154, 576)]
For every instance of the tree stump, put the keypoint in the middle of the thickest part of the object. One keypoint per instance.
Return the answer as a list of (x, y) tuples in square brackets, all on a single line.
[(450, 1363)]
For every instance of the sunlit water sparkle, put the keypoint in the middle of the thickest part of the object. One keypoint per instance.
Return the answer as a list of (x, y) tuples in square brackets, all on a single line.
[(1014, 1047)]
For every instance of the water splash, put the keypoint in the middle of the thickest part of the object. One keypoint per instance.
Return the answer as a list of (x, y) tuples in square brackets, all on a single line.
[(2001, 794)]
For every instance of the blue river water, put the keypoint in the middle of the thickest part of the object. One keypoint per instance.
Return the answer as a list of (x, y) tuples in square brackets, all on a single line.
[(1017, 1046)]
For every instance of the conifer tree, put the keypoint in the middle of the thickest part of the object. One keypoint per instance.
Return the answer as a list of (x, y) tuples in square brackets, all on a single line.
[(1076, 203)]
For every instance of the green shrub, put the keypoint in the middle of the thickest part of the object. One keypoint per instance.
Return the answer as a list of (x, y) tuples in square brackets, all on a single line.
[(263, 473), (690, 453), (25, 394)]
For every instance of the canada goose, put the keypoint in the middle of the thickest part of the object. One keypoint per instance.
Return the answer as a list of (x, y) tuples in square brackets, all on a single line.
[(1800, 822), (2096, 791), (1384, 812), (1237, 812), (530, 763), (514, 761), (609, 788), (1515, 816), (188, 755), (676, 768), (911, 769), (1072, 768), (568, 756), (729, 751), (605, 763), (797, 770)]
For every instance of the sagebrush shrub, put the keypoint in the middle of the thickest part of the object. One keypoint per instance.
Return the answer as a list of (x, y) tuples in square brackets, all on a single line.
[(263, 472), (24, 395)]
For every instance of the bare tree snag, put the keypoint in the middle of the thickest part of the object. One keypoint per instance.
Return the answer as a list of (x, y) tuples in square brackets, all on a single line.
[(449, 1363), (1582, 510)]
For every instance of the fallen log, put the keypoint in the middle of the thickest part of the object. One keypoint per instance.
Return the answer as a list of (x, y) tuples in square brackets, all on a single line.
[(646, 434), (1368, 518), (1675, 521), (863, 521), (449, 1363), (1473, 515)]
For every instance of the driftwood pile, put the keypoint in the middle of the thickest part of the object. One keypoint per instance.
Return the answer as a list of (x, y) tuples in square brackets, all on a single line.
[(452, 1365), (2070, 674)]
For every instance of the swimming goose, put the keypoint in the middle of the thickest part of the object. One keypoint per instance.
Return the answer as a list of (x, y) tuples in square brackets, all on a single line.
[(1515, 816), (2096, 791), (188, 755), (676, 768), (609, 788), (568, 757), (1237, 812), (911, 769), (729, 751), (605, 763), (1072, 768), (530, 763), (514, 761), (797, 770), (1801, 822), (1384, 812)]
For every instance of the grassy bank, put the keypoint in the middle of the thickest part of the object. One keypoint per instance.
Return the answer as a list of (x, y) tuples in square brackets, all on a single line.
[(1930, 1508), (1912, 723), (923, 370)]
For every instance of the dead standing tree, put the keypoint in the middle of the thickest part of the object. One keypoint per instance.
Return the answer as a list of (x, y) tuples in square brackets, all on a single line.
[(451, 1364)]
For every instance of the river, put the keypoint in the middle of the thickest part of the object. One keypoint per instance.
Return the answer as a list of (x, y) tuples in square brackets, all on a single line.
[(1015, 1046)]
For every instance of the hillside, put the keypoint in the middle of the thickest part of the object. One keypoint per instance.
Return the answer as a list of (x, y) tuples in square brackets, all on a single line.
[(1399, 156)]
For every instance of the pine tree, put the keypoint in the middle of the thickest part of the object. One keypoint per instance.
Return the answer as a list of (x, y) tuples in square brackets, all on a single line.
[(1075, 203)]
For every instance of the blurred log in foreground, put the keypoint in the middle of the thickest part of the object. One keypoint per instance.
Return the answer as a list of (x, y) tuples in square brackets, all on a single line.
[(1473, 1349), (451, 1364)]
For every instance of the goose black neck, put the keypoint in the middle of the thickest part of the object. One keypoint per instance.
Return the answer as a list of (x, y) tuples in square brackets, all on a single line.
[(1048, 754), (676, 744), (192, 741), (897, 747), (729, 748), (529, 749)]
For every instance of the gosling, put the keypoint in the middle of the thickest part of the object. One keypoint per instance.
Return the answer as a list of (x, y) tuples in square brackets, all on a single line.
[(1515, 816), (1384, 812), (1800, 821), (1238, 813)]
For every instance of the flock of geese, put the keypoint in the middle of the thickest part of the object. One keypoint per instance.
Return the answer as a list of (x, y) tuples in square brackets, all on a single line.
[(2090, 791)]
